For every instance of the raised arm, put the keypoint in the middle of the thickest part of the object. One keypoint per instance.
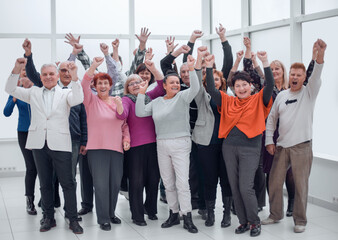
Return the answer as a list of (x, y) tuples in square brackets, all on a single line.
[(111, 65), (166, 62), (75, 96), (141, 109), (81, 55), (191, 43), (31, 72), (239, 56), (309, 69), (227, 52), (189, 94), (211, 89), (270, 81)]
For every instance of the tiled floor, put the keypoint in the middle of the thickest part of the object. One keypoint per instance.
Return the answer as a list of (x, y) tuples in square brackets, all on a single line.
[(16, 224)]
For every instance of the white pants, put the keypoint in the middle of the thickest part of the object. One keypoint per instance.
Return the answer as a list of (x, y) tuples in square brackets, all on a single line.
[(173, 160)]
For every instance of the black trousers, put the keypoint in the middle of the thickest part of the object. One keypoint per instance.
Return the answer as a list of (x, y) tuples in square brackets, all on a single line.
[(143, 173), (31, 171), (211, 159), (87, 191), (46, 160)]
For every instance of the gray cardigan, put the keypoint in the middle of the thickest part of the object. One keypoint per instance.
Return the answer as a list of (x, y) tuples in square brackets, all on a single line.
[(204, 125)]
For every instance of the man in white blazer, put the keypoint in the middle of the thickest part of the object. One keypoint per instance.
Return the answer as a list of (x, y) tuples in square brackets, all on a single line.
[(49, 136)]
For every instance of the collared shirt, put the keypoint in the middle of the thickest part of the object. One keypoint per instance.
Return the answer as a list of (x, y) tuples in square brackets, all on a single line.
[(48, 96), (63, 86)]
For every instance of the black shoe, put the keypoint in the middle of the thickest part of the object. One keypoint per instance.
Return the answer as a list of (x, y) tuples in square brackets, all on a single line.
[(140, 223), (173, 219), (163, 199), (47, 224), (75, 227), (242, 228), (203, 213), (188, 224), (152, 217), (30, 208), (226, 221), (289, 210), (79, 219), (84, 211), (255, 230), (105, 226), (115, 220), (210, 213)]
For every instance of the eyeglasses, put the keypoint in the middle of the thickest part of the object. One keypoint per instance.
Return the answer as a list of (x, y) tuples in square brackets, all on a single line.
[(63, 70), (134, 83)]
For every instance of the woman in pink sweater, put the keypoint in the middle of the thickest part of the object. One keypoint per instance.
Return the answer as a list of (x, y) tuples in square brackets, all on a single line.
[(107, 137), (142, 164)]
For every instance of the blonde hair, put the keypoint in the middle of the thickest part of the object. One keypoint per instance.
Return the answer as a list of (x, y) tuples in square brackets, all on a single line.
[(129, 79), (285, 84)]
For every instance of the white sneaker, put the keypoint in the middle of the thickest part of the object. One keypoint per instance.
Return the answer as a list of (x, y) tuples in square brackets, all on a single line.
[(268, 221), (299, 228)]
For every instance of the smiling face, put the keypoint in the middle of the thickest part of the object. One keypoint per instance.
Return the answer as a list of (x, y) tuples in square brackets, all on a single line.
[(65, 77), (134, 86), (145, 75), (218, 81), (102, 87), (242, 88), (277, 72), (297, 77), (184, 73), (49, 77), (172, 86)]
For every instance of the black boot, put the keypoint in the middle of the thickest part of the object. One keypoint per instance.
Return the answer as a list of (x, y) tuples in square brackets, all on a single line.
[(173, 219), (30, 208), (289, 211), (210, 213), (188, 224), (226, 221)]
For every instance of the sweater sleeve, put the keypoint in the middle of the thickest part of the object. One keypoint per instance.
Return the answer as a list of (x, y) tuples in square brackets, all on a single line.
[(185, 56), (315, 81), (271, 123), (270, 83), (142, 110), (18, 92), (138, 59), (227, 59), (87, 92), (166, 63), (125, 112), (31, 72), (9, 106), (211, 89), (309, 71), (157, 91), (125, 132), (189, 94)]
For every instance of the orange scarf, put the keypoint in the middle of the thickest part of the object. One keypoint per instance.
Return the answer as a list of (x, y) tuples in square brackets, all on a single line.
[(247, 114)]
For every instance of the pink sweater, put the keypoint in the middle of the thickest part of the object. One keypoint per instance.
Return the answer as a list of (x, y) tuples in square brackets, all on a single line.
[(105, 131)]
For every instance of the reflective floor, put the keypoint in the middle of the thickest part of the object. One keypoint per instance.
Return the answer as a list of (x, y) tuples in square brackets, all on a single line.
[(16, 224)]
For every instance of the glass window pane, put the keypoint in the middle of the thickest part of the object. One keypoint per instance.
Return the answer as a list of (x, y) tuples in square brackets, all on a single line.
[(92, 48), (20, 16), (174, 17), (312, 6), (226, 12), (267, 40), (11, 48), (86, 16), (325, 114), (263, 11)]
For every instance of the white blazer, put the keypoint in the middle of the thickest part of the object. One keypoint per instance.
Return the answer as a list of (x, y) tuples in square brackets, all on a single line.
[(53, 128)]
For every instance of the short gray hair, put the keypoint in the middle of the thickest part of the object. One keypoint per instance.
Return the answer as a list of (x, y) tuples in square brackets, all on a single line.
[(49, 65)]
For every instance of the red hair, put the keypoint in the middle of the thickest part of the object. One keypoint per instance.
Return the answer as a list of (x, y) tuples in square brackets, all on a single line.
[(298, 66), (102, 76)]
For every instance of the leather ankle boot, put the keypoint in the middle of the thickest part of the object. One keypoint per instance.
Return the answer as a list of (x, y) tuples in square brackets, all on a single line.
[(173, 219), (226, 221), (289, 210), (30, 208), (188, 224), (210, 213)]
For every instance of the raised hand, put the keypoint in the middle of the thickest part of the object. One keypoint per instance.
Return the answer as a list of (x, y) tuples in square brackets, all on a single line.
[(115, 43), (149, 64), (239, 55), (170, 44), (149, 54), (320, 45), (71, 40), (143, 37), (104, 49), (77, 48), (27, 46), (221, 32), (143, 87), (191, 62), (195, 35), (263, 56), (202, 51), (185, 48), (20, 64), (72, 68), (97, 61), (209, 60)]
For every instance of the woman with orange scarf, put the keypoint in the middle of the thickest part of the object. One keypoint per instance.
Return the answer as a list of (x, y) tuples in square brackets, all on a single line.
[(242, 124)]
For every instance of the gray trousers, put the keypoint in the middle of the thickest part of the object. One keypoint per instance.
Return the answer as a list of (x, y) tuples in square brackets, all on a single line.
[(106, 167), (241, 164)]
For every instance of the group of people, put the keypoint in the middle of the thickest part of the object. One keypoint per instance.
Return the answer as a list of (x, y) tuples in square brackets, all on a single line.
[(190, 128)]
